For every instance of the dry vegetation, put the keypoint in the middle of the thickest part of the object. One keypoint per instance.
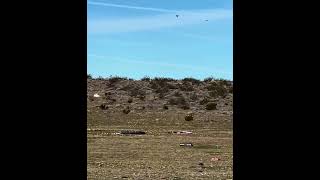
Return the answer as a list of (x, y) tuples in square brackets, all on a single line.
[(159, 107)]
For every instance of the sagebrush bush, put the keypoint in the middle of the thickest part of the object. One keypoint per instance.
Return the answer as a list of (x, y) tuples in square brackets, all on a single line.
[(204, 101), (100, 78), (114, 79), (208, 79), (216, 90), (177, 101), (211, 106), (193, 96), (192, 80), (146, 78), (137, 92), (186, 86)]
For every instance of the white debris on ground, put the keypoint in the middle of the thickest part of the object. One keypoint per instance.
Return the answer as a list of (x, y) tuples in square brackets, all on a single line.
[(96, 95), (186, 144), (184, 132), (215, 159)]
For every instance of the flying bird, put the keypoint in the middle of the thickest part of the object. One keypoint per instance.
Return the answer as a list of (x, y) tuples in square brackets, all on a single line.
[(177, 15), (206, 19)]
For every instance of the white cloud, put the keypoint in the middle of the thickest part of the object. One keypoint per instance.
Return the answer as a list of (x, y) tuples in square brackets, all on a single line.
[(156, 22), (130, 7)]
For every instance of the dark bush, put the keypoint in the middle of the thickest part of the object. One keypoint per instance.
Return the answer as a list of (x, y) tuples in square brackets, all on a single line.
[(89, 76), (126, 110), (100, 78), (204, 101), (192, 80), (177, 101), (208, 79), (231, 90), (115, 79), (216, 90), (137, 92), (211, 106), (193, 96), (186, 86), (146, 78), (177, 94), (184, 106), (162, 79)]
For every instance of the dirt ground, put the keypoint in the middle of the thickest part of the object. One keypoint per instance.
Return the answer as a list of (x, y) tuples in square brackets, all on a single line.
[(157, 154)]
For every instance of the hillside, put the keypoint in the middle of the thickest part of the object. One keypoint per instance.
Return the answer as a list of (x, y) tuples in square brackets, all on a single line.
[(160, 94)]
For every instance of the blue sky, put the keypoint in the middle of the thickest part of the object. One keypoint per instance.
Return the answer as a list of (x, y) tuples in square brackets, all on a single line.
[(137, 38)]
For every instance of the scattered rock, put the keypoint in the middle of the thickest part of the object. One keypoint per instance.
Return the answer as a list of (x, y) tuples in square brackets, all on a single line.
[(165, 107), (211, 106), (130, 100)]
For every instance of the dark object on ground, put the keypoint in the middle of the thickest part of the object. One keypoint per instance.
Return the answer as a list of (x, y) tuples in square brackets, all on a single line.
[(186, 144), (135, 132), (165, 107), (201, 164), (204, 101), (211, 106), (189, 116), (184, 106), (126, 110), (130, 100), (103, 107)]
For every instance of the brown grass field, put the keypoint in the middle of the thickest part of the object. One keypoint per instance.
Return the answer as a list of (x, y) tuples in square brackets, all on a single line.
[(157, 154)]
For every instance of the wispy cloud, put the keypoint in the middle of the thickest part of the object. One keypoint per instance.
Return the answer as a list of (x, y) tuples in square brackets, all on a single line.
[(157, 63), (168, 20), (94, 3)]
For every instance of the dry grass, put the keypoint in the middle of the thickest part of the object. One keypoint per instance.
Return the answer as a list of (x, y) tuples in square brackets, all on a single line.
[(158, 107), (157, 155)]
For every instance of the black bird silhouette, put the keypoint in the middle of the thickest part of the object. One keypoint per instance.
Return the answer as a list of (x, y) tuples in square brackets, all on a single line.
[(177, 15), (206, 19)]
